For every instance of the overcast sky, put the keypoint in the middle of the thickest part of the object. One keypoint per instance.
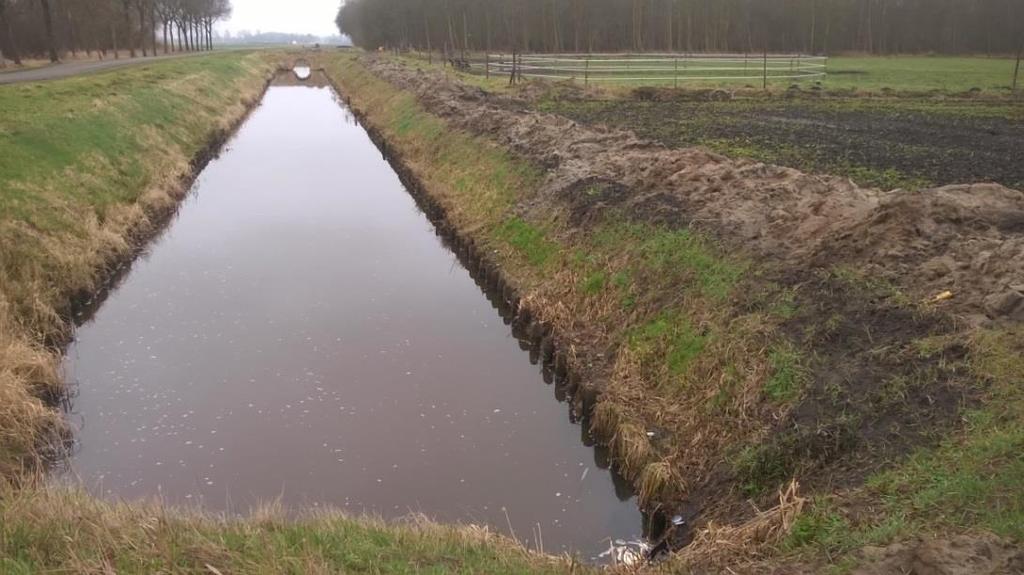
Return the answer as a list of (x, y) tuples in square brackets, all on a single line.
[(294, 16)]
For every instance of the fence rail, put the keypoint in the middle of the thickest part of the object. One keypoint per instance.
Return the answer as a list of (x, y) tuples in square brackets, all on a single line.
[(657, 68)]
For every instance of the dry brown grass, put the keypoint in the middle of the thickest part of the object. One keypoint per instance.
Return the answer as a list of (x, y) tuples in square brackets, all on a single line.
[(27, 374), (659, 481), (716, 546)]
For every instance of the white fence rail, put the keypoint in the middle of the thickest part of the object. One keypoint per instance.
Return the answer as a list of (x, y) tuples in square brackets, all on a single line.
[(658, 68)]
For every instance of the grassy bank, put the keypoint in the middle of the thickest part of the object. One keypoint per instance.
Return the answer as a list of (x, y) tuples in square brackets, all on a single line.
[(65, 531), (87, 166), (723, 378)]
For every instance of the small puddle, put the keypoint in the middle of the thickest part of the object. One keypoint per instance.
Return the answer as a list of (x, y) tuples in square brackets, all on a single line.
[(300, 332)]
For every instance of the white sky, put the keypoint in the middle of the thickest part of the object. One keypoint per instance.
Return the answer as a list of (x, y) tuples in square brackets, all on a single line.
[(293, 16)]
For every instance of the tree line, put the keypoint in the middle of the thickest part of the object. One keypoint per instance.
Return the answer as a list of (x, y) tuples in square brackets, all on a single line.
[(809, 26), (52, 28)]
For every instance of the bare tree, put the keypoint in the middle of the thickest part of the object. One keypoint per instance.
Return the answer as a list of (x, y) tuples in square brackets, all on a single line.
[(11, 50), (877, 26), (51, 42)]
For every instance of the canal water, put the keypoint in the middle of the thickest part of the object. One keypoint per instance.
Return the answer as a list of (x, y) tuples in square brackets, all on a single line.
[(300, 333)]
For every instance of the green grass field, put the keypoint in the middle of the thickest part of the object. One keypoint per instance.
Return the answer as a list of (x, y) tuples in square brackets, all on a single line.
[(920, 73)]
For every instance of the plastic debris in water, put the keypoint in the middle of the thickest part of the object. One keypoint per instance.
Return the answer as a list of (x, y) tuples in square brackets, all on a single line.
[(626, 553)]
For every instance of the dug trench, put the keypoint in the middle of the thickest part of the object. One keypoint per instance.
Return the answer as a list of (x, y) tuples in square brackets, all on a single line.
[(737, 345), (118, 358)]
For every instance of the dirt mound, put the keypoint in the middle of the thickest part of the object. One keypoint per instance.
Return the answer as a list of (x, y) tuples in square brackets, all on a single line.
[(660, 94), (960, 555), (968, 240)]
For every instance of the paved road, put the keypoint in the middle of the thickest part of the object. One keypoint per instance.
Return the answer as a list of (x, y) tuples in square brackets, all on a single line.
[(65, 69)]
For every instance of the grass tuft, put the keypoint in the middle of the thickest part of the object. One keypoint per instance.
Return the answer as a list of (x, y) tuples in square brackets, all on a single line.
[(670, 336), (787, 377), (527, 240), (658, 481)]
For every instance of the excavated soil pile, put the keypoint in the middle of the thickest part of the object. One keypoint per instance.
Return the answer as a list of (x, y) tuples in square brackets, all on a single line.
[(960, 555), (965, 239)]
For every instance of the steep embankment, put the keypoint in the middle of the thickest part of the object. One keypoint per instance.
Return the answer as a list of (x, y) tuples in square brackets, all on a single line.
[(743, 324), (89, 168)]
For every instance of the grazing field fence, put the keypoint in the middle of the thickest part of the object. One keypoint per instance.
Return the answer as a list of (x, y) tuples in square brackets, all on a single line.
[(656, 68)]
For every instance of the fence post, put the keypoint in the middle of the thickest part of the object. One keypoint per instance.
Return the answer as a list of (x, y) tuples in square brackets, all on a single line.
[(765, 81), (675, 74), (487, 64), (586, 71), (1016, 68), (512, 73)]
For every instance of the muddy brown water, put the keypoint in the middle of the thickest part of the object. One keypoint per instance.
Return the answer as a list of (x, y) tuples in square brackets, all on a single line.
[(299, 332)]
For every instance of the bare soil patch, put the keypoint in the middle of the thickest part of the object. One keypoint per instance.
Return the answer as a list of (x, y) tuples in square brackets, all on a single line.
[(960, 555), (881, 142)]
